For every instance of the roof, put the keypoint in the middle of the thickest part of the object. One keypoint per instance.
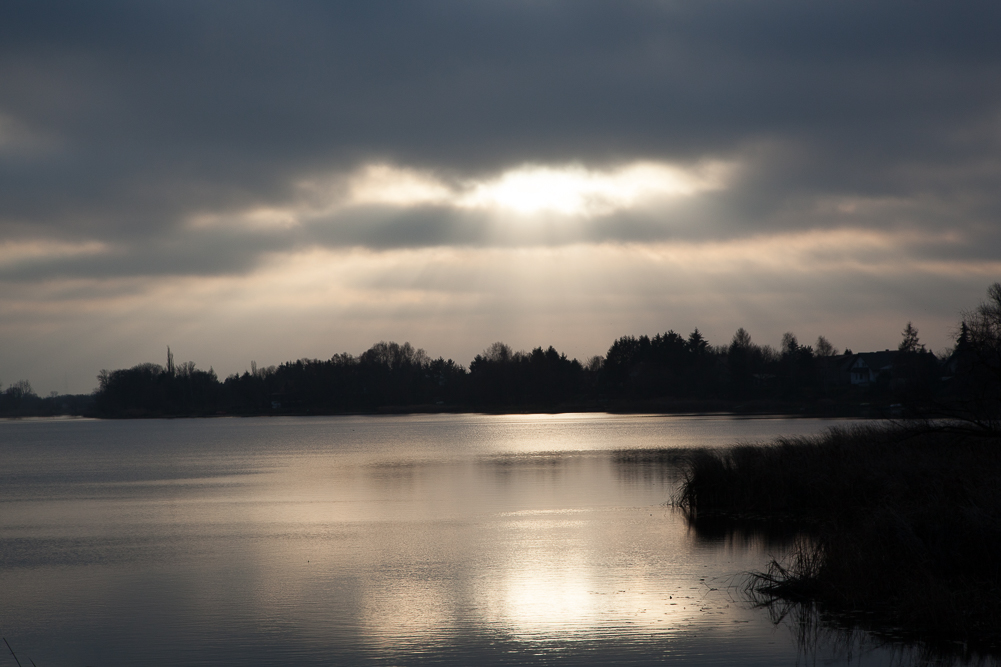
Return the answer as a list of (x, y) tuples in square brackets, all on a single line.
[(878, 361)]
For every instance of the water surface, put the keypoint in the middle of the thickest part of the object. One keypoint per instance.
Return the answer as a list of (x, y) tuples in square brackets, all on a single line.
[(446, 539)]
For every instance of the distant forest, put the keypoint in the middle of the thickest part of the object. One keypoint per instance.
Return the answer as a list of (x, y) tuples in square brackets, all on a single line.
[(668, 372)]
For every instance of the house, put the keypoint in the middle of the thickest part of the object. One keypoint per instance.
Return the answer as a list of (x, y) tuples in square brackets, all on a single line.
[(867, 367)]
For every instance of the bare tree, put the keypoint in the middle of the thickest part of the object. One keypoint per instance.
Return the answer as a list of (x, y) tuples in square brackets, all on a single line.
[(824, 348), (20, 389), (789, 343), (498, 352), (395, 356), (17, 392), (983, 332)]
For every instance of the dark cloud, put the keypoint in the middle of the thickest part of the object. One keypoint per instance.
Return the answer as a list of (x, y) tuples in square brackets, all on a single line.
[(148, 113), (189, 254), (391, 227)]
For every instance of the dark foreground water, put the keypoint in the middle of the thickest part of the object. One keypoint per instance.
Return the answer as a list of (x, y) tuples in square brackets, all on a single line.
[(453, 539)]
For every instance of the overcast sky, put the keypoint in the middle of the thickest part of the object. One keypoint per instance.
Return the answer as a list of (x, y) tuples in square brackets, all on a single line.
[(269, 181)]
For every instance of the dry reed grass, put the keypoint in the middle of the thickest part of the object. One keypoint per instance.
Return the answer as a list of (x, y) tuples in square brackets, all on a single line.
[(904, 524)]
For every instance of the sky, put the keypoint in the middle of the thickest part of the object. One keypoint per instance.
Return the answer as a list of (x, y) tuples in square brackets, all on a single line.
[(272, 181)]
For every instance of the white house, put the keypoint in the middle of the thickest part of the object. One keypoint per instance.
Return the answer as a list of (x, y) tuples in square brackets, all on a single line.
[(867, 367)]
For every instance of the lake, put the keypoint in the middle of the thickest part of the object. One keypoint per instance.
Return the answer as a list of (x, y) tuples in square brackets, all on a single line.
[(437, 539)]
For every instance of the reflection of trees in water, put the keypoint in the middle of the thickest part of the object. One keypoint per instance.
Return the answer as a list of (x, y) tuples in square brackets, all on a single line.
[(771, 536), (650, 465)]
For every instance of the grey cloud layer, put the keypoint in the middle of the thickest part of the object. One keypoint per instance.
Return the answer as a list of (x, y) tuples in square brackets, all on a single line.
[(138, 115)]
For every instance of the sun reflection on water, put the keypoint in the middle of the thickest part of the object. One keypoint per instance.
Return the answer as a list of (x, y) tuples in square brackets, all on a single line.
[(335, 548)]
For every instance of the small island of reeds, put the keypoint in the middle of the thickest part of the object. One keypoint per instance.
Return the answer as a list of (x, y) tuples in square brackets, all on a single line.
[(901, 525)]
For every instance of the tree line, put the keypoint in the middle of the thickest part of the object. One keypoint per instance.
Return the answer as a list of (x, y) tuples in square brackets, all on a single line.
[(665, 372)]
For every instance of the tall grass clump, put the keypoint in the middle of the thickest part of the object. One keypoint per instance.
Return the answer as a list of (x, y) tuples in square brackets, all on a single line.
[(903, 524)]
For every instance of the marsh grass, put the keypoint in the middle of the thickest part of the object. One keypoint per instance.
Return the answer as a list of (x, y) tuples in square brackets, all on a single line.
[(18, 661), (902, 525)]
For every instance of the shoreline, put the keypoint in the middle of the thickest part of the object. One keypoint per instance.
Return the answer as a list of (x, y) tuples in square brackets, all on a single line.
[(402, 413), (902, 526), (749, 409)]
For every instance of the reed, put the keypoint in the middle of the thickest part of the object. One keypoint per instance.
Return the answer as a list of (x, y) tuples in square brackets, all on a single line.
[(902, 525)]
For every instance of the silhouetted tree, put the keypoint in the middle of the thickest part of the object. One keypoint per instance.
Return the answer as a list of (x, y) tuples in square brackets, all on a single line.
[(697, 343), (700, 371), (740, 360), (915, 372), (910, 342), (797, 368), (667, 365), (823, 348), (15, 396), (976, 363), (595, 364), (983, 333), (492, 376), (621, 362), (498, 352), (150, 390)]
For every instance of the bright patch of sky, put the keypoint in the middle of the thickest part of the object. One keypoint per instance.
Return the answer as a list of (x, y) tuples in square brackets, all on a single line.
[(569, 190), (574, 190)]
